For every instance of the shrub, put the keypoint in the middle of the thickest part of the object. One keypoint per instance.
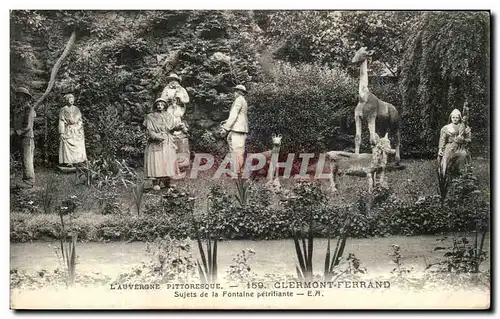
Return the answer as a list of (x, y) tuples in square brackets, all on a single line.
[(170, 260), (266, 215), (461, 256), (305, 200), (240, 271), (257, 219), (310, 106), (26, 202)]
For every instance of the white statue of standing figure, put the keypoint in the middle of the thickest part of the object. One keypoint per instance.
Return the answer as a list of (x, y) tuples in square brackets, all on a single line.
[(177, 98), (453, 140), (72, 138)]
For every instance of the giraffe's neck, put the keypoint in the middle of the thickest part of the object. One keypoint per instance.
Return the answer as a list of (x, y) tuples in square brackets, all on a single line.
[(276, 148), (363, 77), (274, 173)]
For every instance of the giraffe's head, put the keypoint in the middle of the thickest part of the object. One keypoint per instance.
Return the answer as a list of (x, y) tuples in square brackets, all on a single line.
[(362, 54), (384, 144), (277, 139)]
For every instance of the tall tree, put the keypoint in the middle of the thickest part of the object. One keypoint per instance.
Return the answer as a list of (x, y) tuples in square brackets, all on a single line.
[(446, 62)]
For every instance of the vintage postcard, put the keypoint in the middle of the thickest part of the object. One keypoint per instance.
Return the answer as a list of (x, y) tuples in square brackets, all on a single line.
[(250, 159)]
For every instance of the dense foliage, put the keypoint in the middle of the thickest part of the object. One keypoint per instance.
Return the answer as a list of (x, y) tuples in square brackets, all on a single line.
[(309, 105), (446, 62), (269, 216), (119, 62), (332, 37)]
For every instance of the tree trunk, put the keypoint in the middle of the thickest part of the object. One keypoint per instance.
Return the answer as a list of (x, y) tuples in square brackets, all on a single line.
[(28, 167), (29, 148), (46, 134), (56, 68)]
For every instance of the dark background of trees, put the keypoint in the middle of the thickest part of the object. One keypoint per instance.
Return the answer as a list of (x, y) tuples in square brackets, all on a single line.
[(295, 64)]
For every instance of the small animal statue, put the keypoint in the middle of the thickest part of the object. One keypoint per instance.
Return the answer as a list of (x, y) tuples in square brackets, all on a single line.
[(269, 170), (382, 117), (273, 174), (372, 165)]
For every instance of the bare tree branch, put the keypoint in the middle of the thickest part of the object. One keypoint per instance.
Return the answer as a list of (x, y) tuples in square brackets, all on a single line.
[(56, 68)]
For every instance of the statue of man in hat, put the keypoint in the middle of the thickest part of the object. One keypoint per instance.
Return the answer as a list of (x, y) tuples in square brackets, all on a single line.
[(236, 128), (26, 132), (177, 98)]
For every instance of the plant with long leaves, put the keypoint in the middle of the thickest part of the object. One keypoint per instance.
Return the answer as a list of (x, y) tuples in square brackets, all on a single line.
[(242, 192), (208, 273), (305, 254), (87, 170), (48, 195), (68, 251), (138, 192), (304, 205), (462, 256), (332, 261)]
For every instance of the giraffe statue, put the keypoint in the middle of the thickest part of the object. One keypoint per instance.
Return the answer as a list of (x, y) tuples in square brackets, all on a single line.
[(373, 110), (273, 179), (270, 170)]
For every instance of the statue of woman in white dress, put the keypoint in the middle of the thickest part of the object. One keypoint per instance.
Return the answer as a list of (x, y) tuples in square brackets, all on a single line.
[(72, 138)]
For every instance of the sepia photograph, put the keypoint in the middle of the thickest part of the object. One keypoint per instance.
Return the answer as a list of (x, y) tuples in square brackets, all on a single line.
[(250, 159)]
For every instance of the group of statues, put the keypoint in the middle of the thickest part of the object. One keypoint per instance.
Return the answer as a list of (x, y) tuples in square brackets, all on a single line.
[(383, 118), (71, 133), (166, 129), (168, 132)]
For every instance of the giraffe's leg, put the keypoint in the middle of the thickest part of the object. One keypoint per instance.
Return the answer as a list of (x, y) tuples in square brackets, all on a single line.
[(357, 138), (383, 181), (333, 178), (336, 179), (370, 176), (333, 174), (397, 146), (371, 129)]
